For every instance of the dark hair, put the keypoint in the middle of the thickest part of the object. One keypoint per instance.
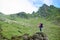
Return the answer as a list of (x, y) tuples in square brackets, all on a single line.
[(41, 24)]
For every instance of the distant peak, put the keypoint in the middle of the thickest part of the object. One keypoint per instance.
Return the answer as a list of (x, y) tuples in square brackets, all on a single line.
[(1, 13), (44, 5), (21, 12), (52, 6)]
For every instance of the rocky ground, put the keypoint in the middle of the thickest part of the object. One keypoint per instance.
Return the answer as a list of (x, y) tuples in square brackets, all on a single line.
[(36, 36)]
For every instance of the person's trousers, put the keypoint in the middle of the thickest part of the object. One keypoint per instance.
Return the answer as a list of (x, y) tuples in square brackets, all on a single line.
[(40, 29)]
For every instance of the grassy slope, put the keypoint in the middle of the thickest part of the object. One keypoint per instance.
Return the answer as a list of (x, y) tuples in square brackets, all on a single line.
[(30, 26)]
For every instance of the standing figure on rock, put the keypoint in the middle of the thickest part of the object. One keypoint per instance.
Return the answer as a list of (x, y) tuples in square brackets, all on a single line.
[(40, 26)]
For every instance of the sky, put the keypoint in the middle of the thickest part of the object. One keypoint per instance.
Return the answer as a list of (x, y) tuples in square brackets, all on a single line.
[(28, 6)]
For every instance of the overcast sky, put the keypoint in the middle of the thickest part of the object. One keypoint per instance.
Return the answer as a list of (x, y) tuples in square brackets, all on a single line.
[(28, 6)]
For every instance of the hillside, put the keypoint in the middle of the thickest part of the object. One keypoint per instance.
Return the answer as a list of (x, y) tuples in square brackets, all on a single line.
[(23, 23), (50, 13), (30, 27)]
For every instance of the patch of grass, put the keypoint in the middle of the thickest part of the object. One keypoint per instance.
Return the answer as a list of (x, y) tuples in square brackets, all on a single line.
[(30, 26)]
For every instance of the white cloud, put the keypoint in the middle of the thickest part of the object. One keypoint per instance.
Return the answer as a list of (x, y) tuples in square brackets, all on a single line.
[(14, 6), (48, 2)]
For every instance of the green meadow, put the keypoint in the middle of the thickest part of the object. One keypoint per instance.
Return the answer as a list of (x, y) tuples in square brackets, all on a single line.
[(30, 26)]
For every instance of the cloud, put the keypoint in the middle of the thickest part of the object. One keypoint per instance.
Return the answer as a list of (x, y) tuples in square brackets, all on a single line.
[(48, 2), (39, 3), (36, 3), (15, 6)]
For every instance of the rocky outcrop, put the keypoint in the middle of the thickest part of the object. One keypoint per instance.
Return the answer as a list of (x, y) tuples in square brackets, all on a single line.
[(36, 36)]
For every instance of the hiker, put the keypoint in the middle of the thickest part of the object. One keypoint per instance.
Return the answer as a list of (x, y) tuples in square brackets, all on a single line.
[(40, 26)]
